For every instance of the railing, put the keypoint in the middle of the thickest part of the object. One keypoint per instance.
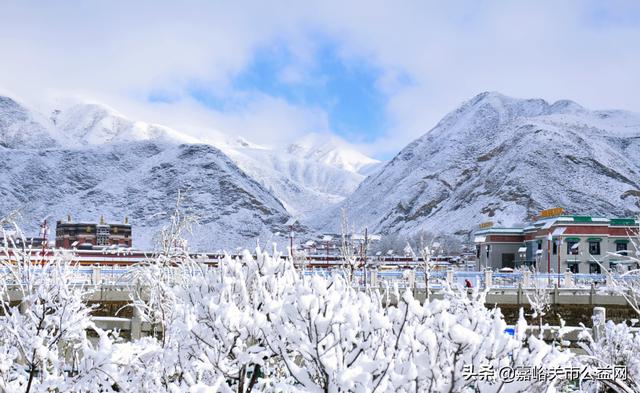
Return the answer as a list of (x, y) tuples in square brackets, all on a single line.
[(415, 278)]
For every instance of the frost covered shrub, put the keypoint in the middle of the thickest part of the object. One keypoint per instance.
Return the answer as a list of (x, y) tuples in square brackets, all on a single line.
[(330, 337), (255, 324), (213, 322), (441, 337), (42, 338), (617, 346)]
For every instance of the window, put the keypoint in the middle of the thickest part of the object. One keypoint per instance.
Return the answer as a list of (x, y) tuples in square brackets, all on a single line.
[(477, 251), (594, 268), (539, 245), (572, 247), (102, 235), (594, 248), (621, 247), (555, 248), (573, 267)]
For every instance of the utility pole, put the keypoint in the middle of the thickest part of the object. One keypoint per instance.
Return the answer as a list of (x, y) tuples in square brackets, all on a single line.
[(45, 239), (549, 257), (291, 241), (364, 257), (558, 243)]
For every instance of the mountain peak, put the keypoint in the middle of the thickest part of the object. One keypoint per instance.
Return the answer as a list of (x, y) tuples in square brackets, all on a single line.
[(566, 106), (75, 124), (521, 106), (331, 150)]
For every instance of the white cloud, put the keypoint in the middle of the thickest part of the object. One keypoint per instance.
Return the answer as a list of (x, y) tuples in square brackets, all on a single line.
[(119, 51)]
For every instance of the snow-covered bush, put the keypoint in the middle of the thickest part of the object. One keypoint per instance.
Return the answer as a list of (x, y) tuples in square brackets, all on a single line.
[(329, 337), (618, 346), (43, 321), (443, 338)]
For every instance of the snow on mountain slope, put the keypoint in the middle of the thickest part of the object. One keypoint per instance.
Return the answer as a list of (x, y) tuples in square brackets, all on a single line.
[(330, 150), (20, 127), (88, 160), (141, 180), (75, 125), (91, 124), (308, 176), (503, 159), (311, 175)]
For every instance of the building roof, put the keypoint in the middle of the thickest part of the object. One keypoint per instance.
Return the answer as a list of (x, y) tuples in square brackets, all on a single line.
[(488, 231), (60, 223), (547, 223)]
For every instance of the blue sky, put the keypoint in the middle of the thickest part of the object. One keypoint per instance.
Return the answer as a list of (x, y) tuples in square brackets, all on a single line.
[(346, 89), (376, 73)]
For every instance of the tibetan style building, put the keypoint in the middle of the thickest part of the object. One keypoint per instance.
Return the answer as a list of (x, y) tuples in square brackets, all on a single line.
[(84, 235)]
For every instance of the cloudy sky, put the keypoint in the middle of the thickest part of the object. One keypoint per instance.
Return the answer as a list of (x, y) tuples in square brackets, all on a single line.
[(377, 74)]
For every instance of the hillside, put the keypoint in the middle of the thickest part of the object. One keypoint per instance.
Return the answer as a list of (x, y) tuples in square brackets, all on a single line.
[(89, 161)]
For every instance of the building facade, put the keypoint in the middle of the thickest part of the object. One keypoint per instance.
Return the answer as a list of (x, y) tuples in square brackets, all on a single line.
[(580, 244), (83, 235)]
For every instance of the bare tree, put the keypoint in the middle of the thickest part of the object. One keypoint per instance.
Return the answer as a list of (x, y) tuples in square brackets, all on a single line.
[(152, 297)]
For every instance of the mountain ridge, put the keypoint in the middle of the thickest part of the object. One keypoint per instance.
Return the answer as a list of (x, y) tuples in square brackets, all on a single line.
[(502, 159)]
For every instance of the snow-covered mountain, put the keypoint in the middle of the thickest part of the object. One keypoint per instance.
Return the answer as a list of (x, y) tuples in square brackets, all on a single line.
[(89, 161), (331, 151), (91, 124), (504, 159), (141, 180), (22, 128), (76, 125), (309, 175)]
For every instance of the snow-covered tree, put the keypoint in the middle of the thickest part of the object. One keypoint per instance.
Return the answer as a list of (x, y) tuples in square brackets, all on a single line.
[(426, 251), (255, 324), (539, 300), (330, 337), (618, 346), (443, 339), (44, 321)]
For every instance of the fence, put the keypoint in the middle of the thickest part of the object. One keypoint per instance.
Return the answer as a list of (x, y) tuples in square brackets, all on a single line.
[(414, 278)]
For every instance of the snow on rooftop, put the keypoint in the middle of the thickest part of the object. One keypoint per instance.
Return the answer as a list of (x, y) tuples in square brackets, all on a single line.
[(499, 230)]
